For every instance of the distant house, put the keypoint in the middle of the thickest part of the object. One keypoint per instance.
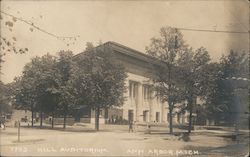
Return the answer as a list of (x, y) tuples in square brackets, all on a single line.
[(141, 104), (21, 115)]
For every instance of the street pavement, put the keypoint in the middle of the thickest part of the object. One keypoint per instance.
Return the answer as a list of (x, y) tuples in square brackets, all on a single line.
[(113, 140)]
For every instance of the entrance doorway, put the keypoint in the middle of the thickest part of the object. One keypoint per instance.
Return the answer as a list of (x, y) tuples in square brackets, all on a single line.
[(157, 117), (146, 116)]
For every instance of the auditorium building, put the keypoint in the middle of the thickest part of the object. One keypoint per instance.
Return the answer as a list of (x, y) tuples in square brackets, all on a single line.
[(141, 104)]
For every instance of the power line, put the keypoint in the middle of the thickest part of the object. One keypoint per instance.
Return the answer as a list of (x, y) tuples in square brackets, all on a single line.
[(180, 28), (214, 31)]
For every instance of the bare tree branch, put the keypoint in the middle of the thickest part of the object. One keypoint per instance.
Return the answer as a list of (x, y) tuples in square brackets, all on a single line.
[(62, 38)]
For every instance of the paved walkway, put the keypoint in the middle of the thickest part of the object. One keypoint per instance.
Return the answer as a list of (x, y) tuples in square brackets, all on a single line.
[(113, 140)]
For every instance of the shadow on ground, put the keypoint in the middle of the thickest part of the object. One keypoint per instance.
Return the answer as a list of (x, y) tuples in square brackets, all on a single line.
[(69, 129), (29, 141), (232, 150)]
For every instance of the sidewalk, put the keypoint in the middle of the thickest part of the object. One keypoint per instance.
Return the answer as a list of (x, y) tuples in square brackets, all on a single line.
[(117, 140)]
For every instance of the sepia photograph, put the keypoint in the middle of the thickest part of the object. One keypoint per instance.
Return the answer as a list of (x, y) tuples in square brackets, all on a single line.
[(124, 78)]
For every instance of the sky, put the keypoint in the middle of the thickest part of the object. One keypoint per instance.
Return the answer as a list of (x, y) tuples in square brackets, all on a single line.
[(131, 23)]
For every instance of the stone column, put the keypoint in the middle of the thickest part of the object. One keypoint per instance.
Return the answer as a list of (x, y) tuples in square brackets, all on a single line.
[(126, 94), (162, 112), (127, 102), (151, 106), (139, 102)]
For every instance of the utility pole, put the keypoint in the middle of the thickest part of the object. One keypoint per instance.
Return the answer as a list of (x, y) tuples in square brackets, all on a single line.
[(170, 64), (18, 131)]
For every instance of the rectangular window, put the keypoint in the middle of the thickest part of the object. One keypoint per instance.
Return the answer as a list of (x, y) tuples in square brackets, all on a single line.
[(145, 115), (135, 91), (157, 117), (178, 117), (146, 92), (101, 113)]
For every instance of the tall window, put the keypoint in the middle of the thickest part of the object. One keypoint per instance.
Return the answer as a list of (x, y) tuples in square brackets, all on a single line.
[(130, 88), (158, 97), (133, 89), (146, 92), (135, 92), (145, 115), (157, 117)]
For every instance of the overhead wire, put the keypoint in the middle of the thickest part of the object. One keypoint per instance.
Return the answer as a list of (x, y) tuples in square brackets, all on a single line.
[(62, 38)]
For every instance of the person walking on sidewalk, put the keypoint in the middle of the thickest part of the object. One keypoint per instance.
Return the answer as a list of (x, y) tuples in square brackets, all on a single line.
[(130, 126), (135, 126)]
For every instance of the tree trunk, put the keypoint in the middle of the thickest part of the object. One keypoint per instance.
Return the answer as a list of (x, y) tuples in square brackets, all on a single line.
[(65, 111), (52, 120), (170, 121), (64, 120), (106, 115), (32, 116), (170, 101), (190, 116), (97, 113), (41, 119), (190, 121)]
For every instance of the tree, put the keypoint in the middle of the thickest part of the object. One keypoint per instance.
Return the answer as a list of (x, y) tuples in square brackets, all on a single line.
[(25, 96), (8, 41), (5, 99), (67, 70), (47, 85), (166, 49), (193, 77), (37, 86), (212, 90), (227, 98), (101, 80)]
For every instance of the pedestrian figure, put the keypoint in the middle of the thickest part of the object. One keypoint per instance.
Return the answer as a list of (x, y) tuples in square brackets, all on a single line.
[(120, 120), (112, 119), (148, 131), (134, 126), (185, 137), (116, 119), (2, 126), (130, 126), (1, 123)]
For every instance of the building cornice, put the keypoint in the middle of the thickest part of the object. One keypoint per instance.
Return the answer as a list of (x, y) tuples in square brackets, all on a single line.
[(134, 53), (116, 47)]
